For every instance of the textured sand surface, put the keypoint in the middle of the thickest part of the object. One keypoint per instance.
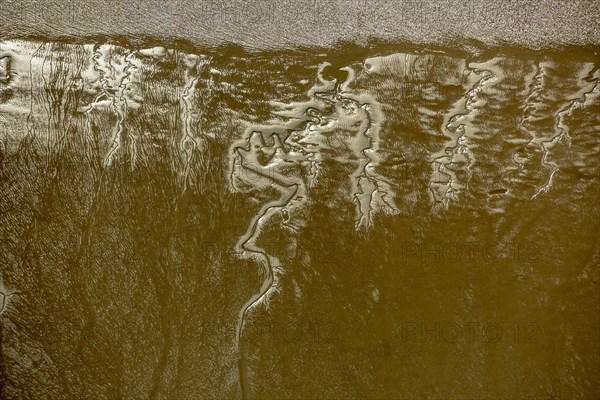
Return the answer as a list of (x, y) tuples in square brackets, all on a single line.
[(279, 23)]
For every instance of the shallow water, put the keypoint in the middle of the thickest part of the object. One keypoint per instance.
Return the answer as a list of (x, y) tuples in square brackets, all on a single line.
[(342, 223)]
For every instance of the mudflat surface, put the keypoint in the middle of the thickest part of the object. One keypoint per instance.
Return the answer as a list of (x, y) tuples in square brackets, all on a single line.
[(321, 223)]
